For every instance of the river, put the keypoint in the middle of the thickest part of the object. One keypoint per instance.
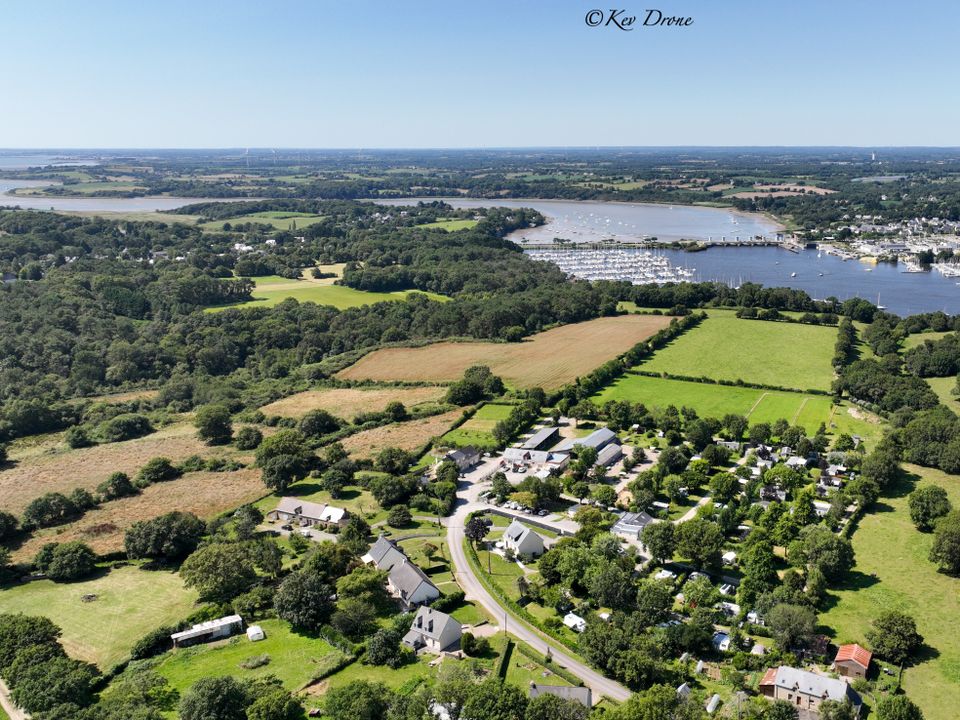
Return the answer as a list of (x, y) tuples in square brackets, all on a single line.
[(94, 204)]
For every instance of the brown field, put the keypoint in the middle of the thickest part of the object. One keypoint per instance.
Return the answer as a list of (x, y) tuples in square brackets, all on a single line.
[(549, 359), (50, 466), (346, 403), (126, 396), (204, 493), (406, 435), (812, 189)]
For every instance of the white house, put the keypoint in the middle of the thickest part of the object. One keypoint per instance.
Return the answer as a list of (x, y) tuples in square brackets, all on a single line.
[(308, 514), (410, 585), (522, 540), (383, 555), (574, 622), (433, 630), (209, 630)]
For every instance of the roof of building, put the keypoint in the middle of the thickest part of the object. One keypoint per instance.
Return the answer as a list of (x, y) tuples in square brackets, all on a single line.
[(310, 510), (463, 453), (379, 549), (609, 453), (596, 439), (539, 438), (632, 522), (207, 627), (583, 695), (853, 652), (525, 454), (432, 624), (406, 577), (808, 683)]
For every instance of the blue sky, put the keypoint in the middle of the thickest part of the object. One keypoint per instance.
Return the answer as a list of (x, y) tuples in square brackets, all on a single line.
[(488, 73)]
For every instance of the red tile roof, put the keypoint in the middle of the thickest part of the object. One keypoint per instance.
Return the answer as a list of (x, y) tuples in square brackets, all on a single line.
[(769, 677), (861, 656)]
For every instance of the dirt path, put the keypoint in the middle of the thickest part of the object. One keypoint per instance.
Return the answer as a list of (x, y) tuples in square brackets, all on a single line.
[(759, 400), (6, 703)]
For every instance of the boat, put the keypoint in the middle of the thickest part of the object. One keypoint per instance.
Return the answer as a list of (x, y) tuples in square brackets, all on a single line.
[(793, 274)]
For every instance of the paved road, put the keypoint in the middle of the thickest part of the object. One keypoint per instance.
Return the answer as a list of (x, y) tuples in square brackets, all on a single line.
[(6, 703), (474, 590)]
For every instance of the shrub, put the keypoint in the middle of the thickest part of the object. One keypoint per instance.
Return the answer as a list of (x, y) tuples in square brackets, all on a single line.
[(118, 485), (248, 438), (64, 562), (78, 437), (157, 469), (50, 509), (124, 427)]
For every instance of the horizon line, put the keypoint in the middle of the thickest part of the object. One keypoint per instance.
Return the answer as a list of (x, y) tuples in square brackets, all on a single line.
[(276, 148)]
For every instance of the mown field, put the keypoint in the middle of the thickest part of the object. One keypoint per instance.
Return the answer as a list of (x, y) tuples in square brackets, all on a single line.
[(766, 353), (711, 400), (204, 494), (269, 292), (478, 430), (277, 219), (347, 403), (892, 572), (130, 602), (549, 359), (408, 435), (48, 465), (450, 225), (944, 388)]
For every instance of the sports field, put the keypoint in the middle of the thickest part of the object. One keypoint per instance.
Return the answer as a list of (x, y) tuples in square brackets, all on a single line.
[(478, 430), (346, 403), (766, 353), (271, 291), (548, 359), (129, 603), (715, 401), (892, 572)]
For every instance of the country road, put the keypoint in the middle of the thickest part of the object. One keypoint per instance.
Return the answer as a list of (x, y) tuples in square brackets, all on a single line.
[(475, 591), (6, 703)]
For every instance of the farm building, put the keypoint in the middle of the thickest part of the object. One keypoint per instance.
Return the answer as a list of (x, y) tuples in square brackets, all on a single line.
[(207, 631), (542, 439), (519, 455), (805, 690), (582, 695), (852, 661), (308, 514), (410, 585), (522, 540), (464, 458), (597, 440), (609, 455), (631, 524), (433, 630), (383, 554)]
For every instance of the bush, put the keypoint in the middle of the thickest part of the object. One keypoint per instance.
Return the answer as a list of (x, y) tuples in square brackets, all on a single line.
[(248, 438), (157, 469), (50, 509), (256, 661), (156, 642), (125, 427), (446, 603), (213, 424), (78, 437), (66, 562), (399, 516), (118, 485)]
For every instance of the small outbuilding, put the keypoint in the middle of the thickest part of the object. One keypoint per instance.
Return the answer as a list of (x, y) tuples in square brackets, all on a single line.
[(255, 633), (852, 661)]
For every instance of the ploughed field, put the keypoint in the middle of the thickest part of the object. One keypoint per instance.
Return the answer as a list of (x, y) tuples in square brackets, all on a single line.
[(778, 354), (549, 359), (347, 403)]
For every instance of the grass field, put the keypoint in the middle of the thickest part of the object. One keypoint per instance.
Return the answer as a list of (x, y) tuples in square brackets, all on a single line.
[(295, 659), (911, 341), (51, 466), (408, 435), (766, 353), (130, 603), (271, 291), (277, 219), (451, 225), (205, 494), (892, 572), (478, 430), (717, 400), (348, 402), (549, 359), (944, 387)]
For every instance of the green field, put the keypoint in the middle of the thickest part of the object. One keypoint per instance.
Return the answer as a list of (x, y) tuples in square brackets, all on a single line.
[(711, 400), (944, 387), (130, 603), (478, 430), (766, 353), (451, 225), (893, 572), (295, 659), (277, 219), (270, 291), (911, 341)]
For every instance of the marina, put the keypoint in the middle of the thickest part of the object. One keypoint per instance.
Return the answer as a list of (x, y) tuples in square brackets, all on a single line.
[(636, 266)]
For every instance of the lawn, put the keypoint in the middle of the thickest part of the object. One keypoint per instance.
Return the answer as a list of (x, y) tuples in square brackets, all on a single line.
[(130, 603), (478, 430), (277, 219), (348, 402), (893, 572), (354, 499), (711, 400), (450, 225), (270, 292), (295, 659), (549, 359), (912, 341), (766, 353), (944, 388)]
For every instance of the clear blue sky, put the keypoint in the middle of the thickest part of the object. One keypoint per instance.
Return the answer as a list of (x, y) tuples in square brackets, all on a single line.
[(488, 73)]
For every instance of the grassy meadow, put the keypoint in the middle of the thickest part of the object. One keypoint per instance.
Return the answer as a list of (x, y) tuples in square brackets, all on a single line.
[(130, 602), (348, 402), (766, 353), (478, 430), (892, 572), (276, 219), (450, 225)]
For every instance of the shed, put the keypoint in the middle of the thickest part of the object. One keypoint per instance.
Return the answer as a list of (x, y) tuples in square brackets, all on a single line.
[(255, 633)]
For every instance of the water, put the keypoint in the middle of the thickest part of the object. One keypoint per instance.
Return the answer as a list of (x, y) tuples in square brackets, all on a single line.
[(590, 221), (24, 161), (94, 204)]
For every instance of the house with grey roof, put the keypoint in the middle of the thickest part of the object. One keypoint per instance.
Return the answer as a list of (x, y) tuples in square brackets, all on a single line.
[(522, 540), (631, 524), (433, 630), (805, 690), (383, 554), (410, 585), (308, 514), (581, 694), (597, 440), (464, 458)]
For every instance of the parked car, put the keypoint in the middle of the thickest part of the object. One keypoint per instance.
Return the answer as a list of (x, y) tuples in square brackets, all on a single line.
[(288, 528)]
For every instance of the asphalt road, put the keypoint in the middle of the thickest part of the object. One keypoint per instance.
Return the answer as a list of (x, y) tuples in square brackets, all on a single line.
[(475, 591)]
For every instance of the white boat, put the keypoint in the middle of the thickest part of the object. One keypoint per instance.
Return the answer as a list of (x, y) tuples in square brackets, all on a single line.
[(793, 274)]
